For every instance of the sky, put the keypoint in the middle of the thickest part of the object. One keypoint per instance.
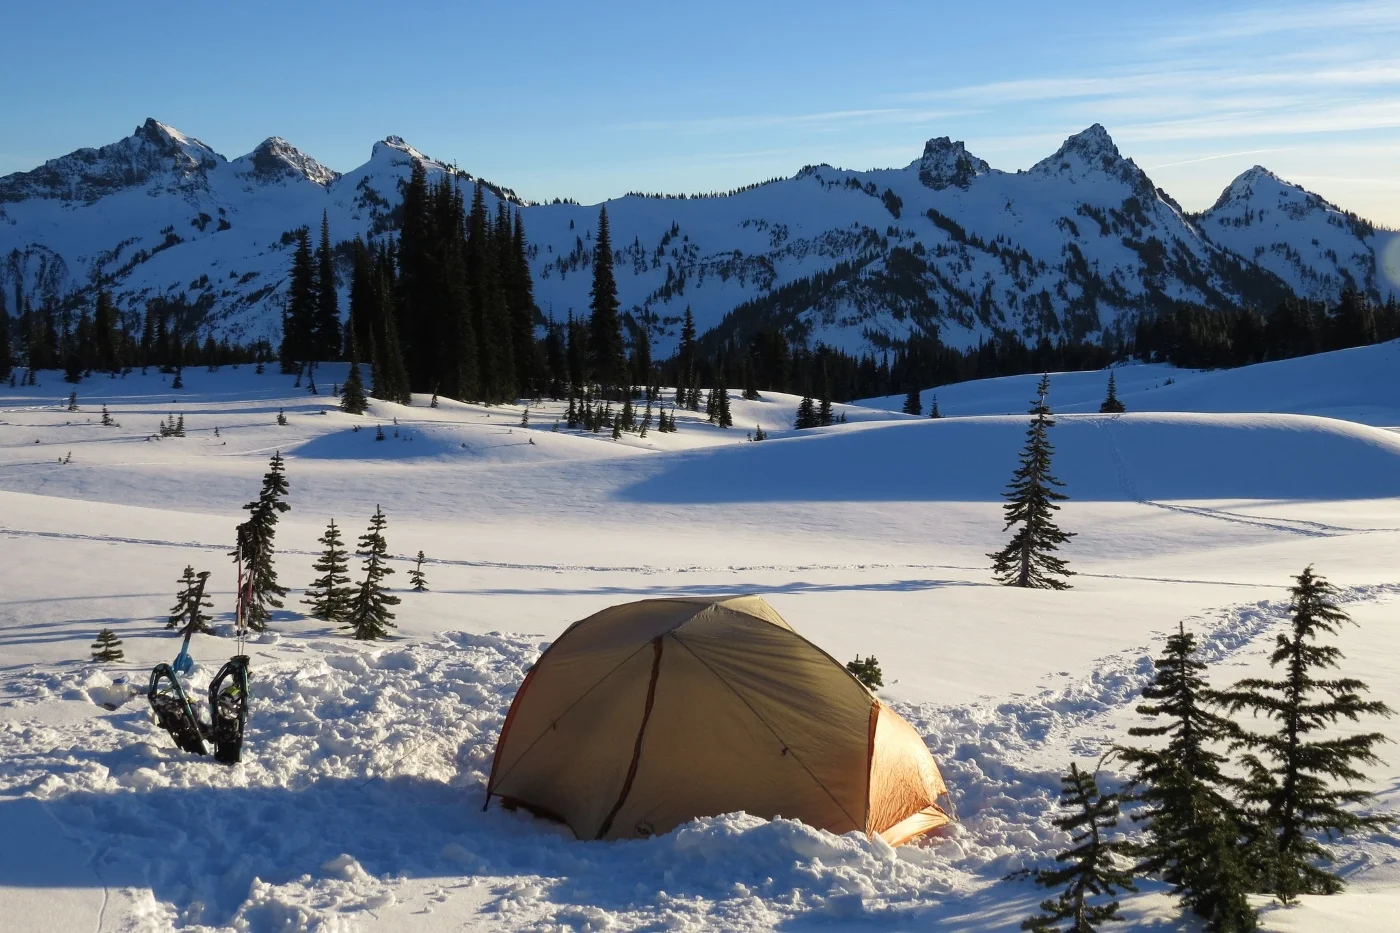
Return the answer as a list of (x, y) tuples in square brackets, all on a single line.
[(591, 100)]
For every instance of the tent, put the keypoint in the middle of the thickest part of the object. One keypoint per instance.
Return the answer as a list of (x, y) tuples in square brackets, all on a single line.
[(649, 714)]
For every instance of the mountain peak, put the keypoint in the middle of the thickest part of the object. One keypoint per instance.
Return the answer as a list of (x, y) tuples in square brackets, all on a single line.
[(390, 145), (274, 158), (946, 163), (1091, 149)]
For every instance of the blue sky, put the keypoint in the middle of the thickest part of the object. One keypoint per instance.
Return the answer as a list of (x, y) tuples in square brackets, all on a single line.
[(589, 100)]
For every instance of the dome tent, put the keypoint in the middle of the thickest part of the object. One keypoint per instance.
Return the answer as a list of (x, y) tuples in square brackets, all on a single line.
[(649, 714)]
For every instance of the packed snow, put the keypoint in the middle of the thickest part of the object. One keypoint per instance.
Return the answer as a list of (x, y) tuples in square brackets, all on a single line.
[(358, 803)]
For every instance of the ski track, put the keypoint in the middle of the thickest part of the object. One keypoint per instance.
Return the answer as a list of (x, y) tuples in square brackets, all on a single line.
[(364, 776)]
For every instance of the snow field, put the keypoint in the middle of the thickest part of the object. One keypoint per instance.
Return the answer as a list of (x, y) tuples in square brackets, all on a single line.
[(358, 803)]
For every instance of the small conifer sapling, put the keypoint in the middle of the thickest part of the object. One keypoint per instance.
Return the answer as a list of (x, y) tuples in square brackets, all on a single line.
[(416, 575), (188, 612), (329, 594), (107, 648), (369, 617)]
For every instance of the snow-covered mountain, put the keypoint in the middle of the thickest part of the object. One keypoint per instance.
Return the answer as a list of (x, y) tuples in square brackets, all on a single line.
[(946, 243)]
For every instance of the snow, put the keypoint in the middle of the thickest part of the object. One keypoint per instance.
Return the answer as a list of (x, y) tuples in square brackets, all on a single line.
[(358, 804), (1063, 249)]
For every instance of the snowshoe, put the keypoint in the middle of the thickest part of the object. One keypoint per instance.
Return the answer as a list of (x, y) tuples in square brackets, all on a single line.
[(173, 710), (228, 709)]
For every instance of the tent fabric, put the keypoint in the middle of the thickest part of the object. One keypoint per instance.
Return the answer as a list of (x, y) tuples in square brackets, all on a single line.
[(649, 714)]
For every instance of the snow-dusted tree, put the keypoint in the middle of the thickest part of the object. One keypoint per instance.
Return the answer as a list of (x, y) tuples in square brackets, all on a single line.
[(107, 648), (329, 594), (368, 616), (1111, 405), (1091, 873), (913, 402), (1290, 791), (1192, 832), (352, 394), (255, 538), (1028, 559), (188, 612), (416, 575)]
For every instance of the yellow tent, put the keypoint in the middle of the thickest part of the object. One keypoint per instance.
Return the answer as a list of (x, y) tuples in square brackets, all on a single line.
[(652, 713)]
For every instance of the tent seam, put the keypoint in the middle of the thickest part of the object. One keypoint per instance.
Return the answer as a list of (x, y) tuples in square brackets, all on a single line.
[(641, 735), (759, 716)]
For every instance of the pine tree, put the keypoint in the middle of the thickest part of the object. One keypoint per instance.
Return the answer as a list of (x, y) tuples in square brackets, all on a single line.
[(368, 616), (867, 671), (281, 417), (525, 417), (1028, 560), (1191, 828), (759, 434), (325, 329), (299, 320), (72, 401), (933, 411), (1289, 791), (913, 404), (806, 414), (379, 432), (604, 325), (723, 414), (1090, 874), (1111, 405), (179, 381), (188, 611), (329, 595), (107, 648), (416, 575), (107, 421), (255, 538), (352, 394)]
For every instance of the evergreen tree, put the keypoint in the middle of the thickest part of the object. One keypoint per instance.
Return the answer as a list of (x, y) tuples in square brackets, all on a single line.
[(806, 414), (352, 394), (759, 434), (368, 615), (325, 327), (1090, 874), (73, 401), (255, 538), (1111, 405), (179, 381), (933, 411), (750, 386), (299, 321), (1028, 559), (1289, 791), (188, 611), (1192, 833), (867, 671), (107, 648), (281, 417), (107, 421), (7, 340), (105, 332), (329, 595), (604, 325), (824, 406), (416, 575), (913, 403), (685, 355), (723, 415)]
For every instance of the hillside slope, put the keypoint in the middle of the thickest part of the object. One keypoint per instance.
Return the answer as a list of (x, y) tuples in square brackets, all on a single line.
[(946, 244)]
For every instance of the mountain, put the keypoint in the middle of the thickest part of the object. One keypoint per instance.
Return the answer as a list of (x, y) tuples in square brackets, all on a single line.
[(946, 244)]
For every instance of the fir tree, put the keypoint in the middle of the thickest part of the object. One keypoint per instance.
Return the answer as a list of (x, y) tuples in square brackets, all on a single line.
[(867, 671), (107, 421), (329, 595), (281, 417), (255, 539), (933, 411), (806, 414), (188, 612), (525, 417), (368, 615), (299, 319), (723, 415), (325, 329), (72, 401), (1191, 829), (913, 404), (1028, 559), (1111, 405), (604, 325), (352, 395), (179, 381), (379, 432), (416, 575), (1090, 875), (759, 434), (1289, 792), (107, 648)]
